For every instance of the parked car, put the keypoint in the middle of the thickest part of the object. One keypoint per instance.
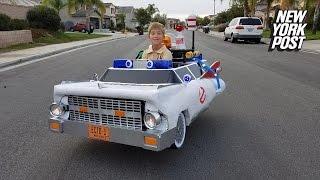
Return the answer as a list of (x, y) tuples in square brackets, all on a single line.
[(206, 29), (140, 30), (81, 27), (244, 28)]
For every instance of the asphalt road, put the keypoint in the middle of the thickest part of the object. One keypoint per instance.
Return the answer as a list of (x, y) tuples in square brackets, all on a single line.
[(264, 126)]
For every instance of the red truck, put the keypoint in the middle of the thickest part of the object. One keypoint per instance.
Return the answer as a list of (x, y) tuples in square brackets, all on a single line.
[(81, 27)]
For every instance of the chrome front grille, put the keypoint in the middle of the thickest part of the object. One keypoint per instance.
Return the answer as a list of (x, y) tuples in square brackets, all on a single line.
[(102, 111)]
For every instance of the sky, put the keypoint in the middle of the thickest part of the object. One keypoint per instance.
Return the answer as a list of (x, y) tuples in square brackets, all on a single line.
[(177, 8)]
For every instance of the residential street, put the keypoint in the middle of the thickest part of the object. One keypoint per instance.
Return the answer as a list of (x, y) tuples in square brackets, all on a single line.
[(264, 126)]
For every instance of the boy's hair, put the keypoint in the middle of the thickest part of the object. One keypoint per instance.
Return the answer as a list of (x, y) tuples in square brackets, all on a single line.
[(156, 25)]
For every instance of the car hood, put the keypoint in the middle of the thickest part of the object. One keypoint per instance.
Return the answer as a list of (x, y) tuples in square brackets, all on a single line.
[(145, 92)]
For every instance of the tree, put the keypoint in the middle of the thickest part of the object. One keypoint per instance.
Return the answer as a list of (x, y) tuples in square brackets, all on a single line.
[(205, 21), (316, 17), (252, 6), (121, 21), (89, 6), (242, 3), (267, 18), (55, 4), (228, 15), (249, 6), (160, 18), (286, 4), (313, 7), (142, 16), (111, 26), (199, 21), (152, 9), (42, 17)]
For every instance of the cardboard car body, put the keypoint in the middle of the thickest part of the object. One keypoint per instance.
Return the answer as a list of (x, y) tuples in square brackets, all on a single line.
[(113, 108)]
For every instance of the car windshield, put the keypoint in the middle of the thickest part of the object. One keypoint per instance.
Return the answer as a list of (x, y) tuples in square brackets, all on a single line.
[(250, 21), (140, 76)]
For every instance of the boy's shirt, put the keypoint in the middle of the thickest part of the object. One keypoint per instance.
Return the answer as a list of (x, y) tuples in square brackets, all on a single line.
[(162, 53)]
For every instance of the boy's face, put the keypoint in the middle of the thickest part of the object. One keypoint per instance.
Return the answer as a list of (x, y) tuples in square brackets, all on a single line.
[(156, 36)]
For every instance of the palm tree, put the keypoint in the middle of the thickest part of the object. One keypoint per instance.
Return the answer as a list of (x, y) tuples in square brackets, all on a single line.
[(252, 6), (89, 6), (287, 4), (246, 5), (55, 4), (316, 16), (267, 20), (246, 8)]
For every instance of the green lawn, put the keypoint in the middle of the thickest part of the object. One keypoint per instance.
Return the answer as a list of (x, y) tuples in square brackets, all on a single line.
[(56, 38), (310, 36)]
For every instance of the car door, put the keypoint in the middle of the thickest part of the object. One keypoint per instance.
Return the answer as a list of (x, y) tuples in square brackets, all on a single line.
[(232, 27)]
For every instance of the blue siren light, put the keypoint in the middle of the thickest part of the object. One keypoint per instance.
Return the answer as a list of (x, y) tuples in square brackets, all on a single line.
[(123, 63), (159, 64)]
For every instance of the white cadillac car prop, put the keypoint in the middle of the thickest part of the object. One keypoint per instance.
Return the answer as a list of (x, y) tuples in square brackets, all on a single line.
[(141, 103)]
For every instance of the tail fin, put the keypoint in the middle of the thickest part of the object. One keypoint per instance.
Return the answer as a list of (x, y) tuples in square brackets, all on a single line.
[(212, 74)]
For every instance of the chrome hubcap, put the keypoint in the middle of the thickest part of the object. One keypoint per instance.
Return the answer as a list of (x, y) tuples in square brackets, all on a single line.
[(181, 130)]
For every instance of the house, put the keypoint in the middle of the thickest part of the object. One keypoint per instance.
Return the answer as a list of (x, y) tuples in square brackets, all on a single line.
[(79, 16), (130, 20), (109, 16), (16, 9)]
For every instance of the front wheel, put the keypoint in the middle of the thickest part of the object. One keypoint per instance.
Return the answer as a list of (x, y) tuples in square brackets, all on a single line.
[(181, 130)]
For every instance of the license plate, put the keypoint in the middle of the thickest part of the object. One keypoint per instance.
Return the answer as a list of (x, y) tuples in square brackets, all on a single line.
[(98, 132)]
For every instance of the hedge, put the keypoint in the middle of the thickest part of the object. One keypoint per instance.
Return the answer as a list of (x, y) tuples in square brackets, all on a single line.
[(42, 17)]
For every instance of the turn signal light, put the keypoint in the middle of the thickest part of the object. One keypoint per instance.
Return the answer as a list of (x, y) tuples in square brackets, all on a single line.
[(55, 126), (151, 141), (260, 27)]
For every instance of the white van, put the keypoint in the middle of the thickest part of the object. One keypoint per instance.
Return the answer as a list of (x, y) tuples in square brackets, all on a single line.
[(244, 28)]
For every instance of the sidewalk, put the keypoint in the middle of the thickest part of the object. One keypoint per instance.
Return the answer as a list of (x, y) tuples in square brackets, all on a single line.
[(16, 57), (311, 45)]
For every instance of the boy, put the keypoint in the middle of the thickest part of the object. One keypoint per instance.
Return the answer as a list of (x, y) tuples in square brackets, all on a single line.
[(156, 50)]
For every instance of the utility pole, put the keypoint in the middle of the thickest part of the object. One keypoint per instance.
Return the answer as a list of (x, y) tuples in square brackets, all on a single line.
[(214, 7)]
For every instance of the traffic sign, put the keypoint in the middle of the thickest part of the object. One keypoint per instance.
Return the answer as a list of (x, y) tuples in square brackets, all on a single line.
[(192, 23)]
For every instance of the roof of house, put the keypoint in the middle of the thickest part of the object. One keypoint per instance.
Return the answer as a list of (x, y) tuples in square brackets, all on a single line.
[(108, 4), (125, 9), (21, 2), (82, 13)]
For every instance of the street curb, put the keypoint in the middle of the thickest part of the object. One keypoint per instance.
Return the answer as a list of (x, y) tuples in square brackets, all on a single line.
[(263, 40), (26, 59)]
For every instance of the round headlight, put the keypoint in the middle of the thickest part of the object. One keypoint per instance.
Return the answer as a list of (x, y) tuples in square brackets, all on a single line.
[(56, 110), (151, 120)]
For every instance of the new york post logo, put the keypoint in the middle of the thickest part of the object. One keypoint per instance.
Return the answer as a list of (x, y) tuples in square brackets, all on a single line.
[(288, 31)]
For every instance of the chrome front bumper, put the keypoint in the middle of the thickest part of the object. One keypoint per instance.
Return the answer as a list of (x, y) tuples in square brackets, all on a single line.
[(120, 135), (247, 36)]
